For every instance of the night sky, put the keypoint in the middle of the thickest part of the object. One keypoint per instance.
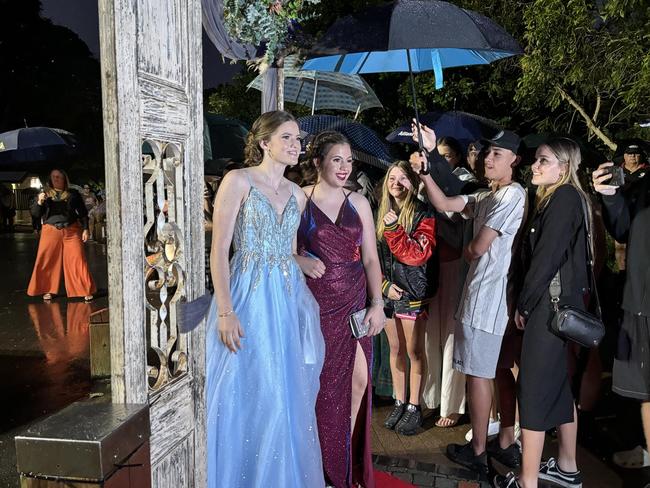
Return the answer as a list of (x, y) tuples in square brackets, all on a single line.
[(81, 17)]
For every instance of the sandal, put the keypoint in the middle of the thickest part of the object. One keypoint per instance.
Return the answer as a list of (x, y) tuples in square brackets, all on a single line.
[(449, 421), (47, 297)]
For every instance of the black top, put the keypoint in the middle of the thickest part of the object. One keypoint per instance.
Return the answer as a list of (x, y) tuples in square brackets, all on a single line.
[(62, 212), (627, 218), (556, 239)]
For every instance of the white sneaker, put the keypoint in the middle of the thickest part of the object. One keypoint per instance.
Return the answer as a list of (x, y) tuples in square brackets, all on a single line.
[(636, 458), (493, 429)]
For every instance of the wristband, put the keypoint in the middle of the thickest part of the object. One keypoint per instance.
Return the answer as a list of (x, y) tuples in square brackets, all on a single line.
[(227, 314), (376, 301)]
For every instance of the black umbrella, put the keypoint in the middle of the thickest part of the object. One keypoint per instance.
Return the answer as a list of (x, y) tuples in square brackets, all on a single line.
[(413, 36), (367, 146), (462, 126), (21, 148)]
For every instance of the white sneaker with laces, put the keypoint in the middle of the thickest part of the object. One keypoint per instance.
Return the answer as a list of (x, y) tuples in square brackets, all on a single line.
[(636, 458)]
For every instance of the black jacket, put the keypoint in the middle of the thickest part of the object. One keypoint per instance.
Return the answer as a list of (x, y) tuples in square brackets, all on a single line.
[(627, 218), (406, 259), (63, 211), (556, 238)]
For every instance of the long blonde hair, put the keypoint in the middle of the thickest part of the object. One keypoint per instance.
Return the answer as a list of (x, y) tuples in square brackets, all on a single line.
[(411, 202), (568, 154)]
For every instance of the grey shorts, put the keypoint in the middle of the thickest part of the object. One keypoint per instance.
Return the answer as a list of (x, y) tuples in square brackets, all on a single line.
[(476, 352), (631, 375)]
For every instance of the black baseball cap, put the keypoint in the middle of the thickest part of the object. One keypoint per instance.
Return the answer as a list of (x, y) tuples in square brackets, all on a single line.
[(633, 149), (505, 139)]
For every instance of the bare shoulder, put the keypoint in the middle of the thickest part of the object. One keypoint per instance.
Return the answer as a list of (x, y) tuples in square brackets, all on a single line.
[(360, 203), (234, 186), (358, 199), (236, 178), (298, 193)]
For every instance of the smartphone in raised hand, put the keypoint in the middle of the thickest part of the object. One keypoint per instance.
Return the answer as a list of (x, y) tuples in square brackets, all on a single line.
[(618, 176)]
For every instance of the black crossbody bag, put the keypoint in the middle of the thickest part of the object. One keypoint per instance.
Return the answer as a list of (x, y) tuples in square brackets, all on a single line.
[(570, 322)]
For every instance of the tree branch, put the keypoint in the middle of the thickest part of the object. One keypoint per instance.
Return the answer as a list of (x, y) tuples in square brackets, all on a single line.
[(590, 123)]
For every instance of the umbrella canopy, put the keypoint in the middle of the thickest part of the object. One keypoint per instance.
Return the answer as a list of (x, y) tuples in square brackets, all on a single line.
[(35, 145), (366, 145), (462, 126), (321, 90), (411, 35)]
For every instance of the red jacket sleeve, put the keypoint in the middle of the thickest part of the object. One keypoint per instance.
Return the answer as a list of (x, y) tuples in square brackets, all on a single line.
[(414, 249)]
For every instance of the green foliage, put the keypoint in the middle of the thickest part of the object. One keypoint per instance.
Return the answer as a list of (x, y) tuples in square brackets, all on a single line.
[(597, 52), (234, 100), (50, 78), (256, 22)]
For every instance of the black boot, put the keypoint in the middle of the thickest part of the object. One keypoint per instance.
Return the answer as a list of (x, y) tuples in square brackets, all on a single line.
[(411, 421), (394, 415)]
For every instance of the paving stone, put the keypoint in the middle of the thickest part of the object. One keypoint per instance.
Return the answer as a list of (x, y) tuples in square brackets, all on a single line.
[(408, 477), (459, 473), (445, 483), (424, 479), (468, 484)]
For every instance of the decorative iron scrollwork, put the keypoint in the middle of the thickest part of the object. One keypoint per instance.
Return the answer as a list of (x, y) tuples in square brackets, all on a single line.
[(164, 271)]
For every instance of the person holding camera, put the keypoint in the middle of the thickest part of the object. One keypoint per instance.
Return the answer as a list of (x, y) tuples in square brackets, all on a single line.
[(65, 229), (627, 218)]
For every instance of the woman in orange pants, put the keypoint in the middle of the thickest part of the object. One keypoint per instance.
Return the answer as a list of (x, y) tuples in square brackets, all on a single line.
[(65, 229)]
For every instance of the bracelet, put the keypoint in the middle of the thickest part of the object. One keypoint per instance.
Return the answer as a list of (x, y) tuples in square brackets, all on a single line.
[(376, 301), (227, 314)]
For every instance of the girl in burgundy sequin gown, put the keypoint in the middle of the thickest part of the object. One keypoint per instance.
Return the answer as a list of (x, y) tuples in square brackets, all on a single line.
[(339, 256)]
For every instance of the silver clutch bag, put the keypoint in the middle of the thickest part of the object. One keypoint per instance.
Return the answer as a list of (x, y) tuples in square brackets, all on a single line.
[(358, 327)]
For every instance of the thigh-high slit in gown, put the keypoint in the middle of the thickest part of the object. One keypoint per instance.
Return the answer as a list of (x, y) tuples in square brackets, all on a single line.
[(340, 292)]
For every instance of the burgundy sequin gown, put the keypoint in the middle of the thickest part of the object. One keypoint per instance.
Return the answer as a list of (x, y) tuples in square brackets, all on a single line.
[(339, 293)]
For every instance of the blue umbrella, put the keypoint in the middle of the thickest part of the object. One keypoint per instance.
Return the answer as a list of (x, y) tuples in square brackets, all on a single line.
[(413, 36), (462, 126), (367, 146)]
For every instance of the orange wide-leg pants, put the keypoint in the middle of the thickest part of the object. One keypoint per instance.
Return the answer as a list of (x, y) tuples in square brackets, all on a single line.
[(61, 249)]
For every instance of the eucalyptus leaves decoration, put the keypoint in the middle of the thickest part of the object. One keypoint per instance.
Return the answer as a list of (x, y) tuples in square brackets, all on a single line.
[(268, 21)]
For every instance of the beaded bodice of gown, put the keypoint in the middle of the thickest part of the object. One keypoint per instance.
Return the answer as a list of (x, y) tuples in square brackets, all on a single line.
[(262, 237)]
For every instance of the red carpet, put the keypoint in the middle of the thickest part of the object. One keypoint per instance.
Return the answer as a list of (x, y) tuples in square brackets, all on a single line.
[(384, 480)]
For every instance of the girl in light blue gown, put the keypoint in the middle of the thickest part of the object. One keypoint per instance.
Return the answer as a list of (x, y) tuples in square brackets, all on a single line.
[(264, 345)]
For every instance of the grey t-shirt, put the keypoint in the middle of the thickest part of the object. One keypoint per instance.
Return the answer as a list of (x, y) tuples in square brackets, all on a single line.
[(483, 302)]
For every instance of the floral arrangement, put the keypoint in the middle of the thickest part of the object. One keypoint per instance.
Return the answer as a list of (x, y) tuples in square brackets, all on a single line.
[(263, 21)]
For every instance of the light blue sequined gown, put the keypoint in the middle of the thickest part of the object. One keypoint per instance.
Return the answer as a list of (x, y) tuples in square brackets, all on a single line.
[(261, 401)]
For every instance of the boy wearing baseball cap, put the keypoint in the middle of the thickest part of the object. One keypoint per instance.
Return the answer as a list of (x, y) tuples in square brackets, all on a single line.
[(482, 315)]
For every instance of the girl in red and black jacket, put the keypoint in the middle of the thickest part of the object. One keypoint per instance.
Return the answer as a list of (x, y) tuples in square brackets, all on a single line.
[(406, 242)]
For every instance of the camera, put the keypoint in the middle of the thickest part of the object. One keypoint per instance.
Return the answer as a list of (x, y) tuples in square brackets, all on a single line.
[(618, 176)]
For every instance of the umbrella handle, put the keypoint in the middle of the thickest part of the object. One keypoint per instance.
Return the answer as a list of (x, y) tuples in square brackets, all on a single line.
[(424, 170)]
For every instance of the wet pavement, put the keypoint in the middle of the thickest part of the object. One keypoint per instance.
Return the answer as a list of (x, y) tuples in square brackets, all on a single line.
[(44, 359), (44, 347)]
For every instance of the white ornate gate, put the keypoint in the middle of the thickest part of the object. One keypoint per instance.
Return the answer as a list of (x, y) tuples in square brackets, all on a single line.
[(152, 96)]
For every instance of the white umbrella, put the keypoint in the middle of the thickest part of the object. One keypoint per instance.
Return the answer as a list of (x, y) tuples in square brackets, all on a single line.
[(322, 90)]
